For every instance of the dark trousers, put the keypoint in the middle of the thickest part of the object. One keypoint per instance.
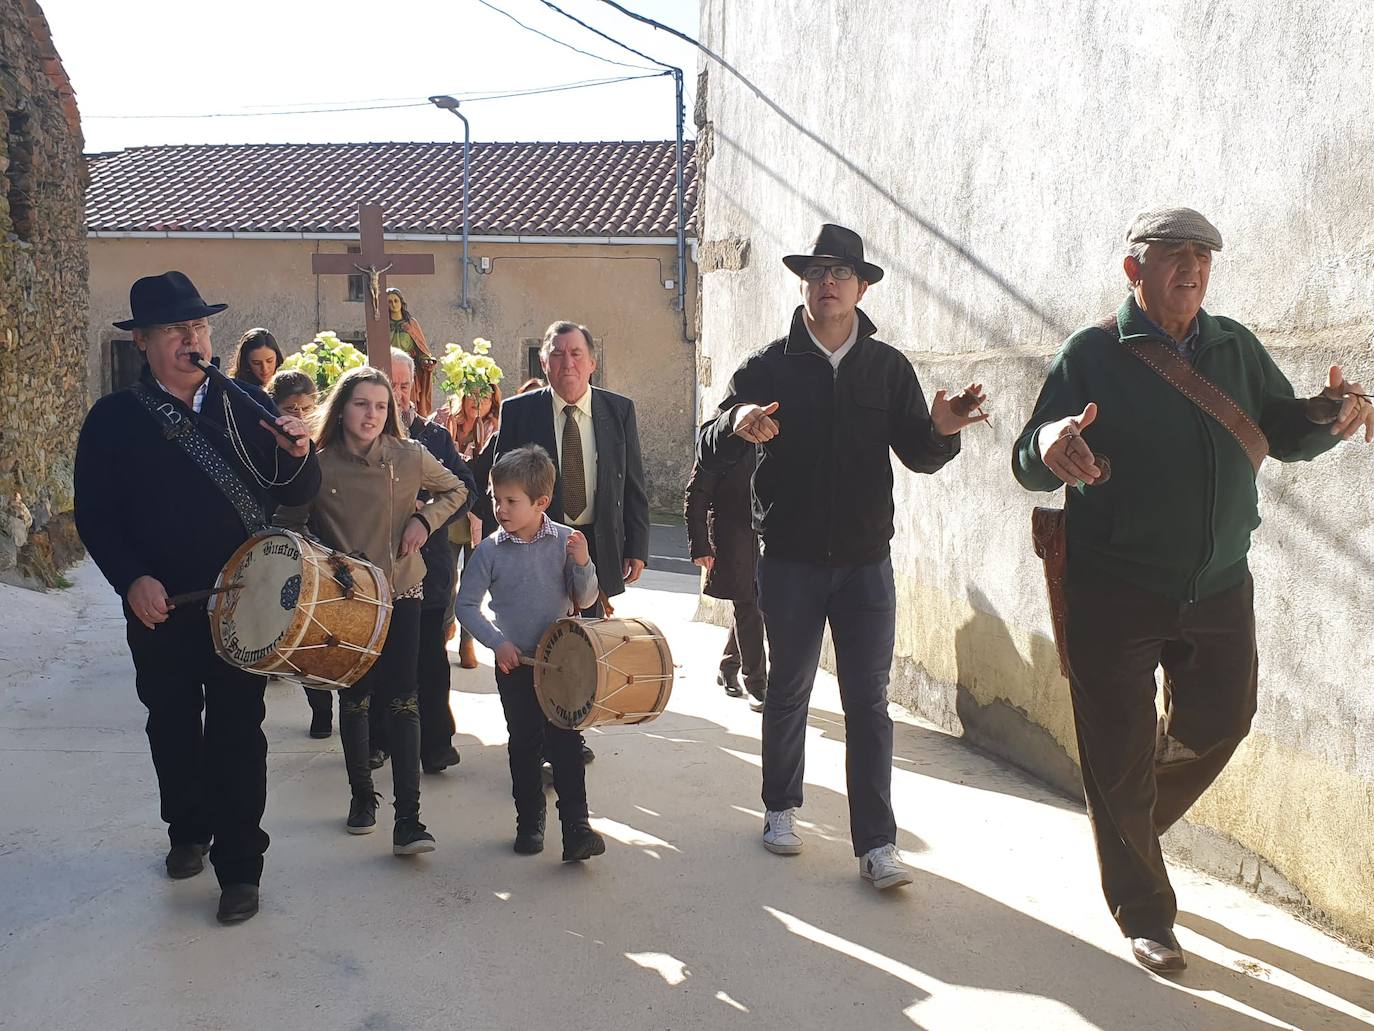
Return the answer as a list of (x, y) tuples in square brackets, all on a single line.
[(460, 563), (390, 685), (436, 718), (531, 738), (321, 702), (744, 648), (212, 775), (1141, 775), (860, 603)]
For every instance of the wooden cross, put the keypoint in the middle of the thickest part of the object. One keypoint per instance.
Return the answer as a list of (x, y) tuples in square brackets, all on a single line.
[(374, 262)]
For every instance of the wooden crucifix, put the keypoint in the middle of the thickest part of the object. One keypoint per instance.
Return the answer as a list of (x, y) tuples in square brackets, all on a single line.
[(376, 264)]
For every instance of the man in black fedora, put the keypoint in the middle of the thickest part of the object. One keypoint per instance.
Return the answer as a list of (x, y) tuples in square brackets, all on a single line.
[(163, 498), (822, 407)]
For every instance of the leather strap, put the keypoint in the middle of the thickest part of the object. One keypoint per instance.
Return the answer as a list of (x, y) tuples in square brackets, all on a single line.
[(182, 432), (1197, 388)]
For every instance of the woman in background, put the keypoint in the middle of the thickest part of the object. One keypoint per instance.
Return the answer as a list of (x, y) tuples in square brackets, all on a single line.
[(256, 359)]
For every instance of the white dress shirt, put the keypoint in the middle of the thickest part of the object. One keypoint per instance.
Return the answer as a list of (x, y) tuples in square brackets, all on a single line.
[(582, 415), (836, 356)]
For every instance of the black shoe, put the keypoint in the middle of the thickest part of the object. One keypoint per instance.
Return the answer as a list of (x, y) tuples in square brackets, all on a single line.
[(443, 762), (410, 838), (587, 754), (237, 903), (529, 834), (581, 842), (730, 681), (186, 861), (1159, 951), (322, 725), (362, 813), (756, 702), (378, 758)]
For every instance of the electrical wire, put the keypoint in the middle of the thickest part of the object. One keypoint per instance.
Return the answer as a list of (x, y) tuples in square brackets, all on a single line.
[(555, 39), (609, 39)]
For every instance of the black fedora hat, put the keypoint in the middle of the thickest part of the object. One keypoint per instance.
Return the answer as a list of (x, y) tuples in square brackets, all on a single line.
[(838, 244), (170, 297)]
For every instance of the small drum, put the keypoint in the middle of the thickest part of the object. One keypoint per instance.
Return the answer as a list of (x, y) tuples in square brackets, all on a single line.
[(295, 608), (589, 672)]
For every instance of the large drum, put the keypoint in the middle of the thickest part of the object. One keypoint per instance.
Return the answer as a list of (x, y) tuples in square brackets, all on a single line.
[(289, 606), (589, 672)]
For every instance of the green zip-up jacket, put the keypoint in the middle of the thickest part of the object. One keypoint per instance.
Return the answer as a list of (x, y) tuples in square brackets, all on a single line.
[(1176, 514)]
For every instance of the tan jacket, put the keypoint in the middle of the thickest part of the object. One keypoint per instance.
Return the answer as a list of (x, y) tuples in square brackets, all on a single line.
[(364, 503)]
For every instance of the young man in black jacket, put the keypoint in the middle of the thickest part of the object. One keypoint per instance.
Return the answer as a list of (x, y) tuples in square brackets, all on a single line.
[(161, 517), (822, 406)]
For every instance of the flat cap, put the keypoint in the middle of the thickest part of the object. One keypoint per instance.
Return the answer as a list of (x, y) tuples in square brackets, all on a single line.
[(1173, 224)]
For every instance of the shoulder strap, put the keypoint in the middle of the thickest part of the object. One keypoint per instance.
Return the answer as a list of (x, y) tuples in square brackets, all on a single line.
[(1197, 388), (182, 432)]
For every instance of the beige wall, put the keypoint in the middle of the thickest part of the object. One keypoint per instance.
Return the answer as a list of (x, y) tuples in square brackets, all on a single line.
[(616, 290)]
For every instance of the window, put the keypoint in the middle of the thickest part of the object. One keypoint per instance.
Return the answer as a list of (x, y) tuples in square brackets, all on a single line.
[(20, 174), (357, 283)]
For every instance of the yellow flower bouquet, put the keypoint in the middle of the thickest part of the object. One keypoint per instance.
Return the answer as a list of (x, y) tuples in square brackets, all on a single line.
[(468, 373), (325, 359)]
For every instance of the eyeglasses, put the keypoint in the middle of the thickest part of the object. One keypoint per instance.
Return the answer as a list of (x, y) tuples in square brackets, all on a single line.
[(816, 273), (198, 328), (299, 411)]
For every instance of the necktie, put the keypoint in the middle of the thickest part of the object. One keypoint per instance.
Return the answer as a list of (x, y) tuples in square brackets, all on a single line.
[(574, 475)]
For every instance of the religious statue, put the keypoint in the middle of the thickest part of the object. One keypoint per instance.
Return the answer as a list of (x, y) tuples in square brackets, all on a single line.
[(407, 335)]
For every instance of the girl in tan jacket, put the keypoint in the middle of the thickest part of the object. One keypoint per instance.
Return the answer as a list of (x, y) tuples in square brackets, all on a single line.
[(371, 476)]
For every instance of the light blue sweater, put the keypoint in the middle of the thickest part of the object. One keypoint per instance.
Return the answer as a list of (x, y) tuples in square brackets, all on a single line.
[(531, 585)]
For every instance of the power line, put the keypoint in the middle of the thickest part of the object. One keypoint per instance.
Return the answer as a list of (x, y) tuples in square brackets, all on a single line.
[(468, 97), (555, 39), (609, 39)]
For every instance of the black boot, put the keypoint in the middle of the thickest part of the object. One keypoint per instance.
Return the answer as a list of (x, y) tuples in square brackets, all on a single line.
[(581, 842), (729, 679), (529, 830), (353, 735), (237, 903), (321, 712), (186, 860)]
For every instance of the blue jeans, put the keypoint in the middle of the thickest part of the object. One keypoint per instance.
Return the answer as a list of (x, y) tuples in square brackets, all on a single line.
[(860, 603)]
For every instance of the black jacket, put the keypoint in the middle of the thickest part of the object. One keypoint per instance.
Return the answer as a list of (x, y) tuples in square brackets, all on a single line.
[(823, 487), (144, 508), (719, 513), (440, 562), (621, 525)]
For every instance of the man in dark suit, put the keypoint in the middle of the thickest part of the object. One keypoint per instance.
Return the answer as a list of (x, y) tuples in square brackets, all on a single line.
[(593, 438)]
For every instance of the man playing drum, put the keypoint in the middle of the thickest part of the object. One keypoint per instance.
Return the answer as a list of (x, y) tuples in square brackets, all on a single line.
[(536, 572), (163, 498)]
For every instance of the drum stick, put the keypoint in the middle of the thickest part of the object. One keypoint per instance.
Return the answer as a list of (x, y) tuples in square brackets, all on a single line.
[(526, 660), (194, 596)]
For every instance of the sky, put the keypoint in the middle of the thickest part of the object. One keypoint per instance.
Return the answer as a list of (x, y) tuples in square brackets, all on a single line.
[(196, 58)]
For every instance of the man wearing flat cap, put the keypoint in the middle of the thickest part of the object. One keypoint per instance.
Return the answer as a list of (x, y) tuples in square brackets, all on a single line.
[(1156, 420), (824, 407), (164, 496)]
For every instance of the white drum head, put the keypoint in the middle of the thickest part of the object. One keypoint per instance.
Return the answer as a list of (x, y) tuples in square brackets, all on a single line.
[(254, 620)]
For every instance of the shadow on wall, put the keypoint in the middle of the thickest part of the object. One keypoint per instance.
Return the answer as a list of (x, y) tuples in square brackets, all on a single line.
[(987, 658), (903, 209)]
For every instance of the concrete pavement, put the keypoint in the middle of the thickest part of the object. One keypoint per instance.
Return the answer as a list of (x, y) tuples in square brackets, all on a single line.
[(686, 922)]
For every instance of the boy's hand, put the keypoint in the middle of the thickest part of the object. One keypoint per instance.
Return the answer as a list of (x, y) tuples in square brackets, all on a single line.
[(577, 548), (507, 656)]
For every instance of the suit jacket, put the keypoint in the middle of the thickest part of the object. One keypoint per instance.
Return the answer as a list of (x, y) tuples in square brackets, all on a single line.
[(621, 526)]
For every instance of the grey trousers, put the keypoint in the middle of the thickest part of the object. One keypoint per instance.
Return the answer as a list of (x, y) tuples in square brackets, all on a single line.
[(860, 604)]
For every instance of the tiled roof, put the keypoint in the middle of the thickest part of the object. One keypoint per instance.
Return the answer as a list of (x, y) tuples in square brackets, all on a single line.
[(534, 189)]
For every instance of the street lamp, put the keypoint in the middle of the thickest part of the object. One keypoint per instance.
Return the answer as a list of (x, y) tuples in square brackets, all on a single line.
[(445, 103)]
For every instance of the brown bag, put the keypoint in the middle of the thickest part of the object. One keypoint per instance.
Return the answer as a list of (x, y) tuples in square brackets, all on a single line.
[(1048, 525)]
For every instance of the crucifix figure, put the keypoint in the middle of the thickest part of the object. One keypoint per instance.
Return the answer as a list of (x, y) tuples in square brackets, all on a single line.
[(374, 262)]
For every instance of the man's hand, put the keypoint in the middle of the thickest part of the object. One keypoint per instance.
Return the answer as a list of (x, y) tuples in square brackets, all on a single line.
[(631, 569), (474, 528), (292, 434), (707, 562), (756, 424), (507, 656), (1065, 452), (147, 599), (577, 548), (949, 416), (413, 536), (1355, 410)]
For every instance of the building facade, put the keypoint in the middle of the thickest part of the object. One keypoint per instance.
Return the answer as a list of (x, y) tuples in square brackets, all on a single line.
[(42, 295), (582, 231)]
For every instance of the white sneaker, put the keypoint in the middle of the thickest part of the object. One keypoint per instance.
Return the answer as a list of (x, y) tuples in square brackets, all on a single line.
[(780, 832), (881, 866)]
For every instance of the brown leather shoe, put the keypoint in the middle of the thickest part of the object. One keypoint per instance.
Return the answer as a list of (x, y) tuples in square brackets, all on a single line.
[(1160, 953), (467, 655)]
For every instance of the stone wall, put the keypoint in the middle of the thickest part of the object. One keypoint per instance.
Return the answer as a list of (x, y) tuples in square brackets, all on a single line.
[(992, 155), (43, 298)]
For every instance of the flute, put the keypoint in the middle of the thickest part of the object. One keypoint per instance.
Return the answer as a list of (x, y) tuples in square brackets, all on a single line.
[(213, 371)]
